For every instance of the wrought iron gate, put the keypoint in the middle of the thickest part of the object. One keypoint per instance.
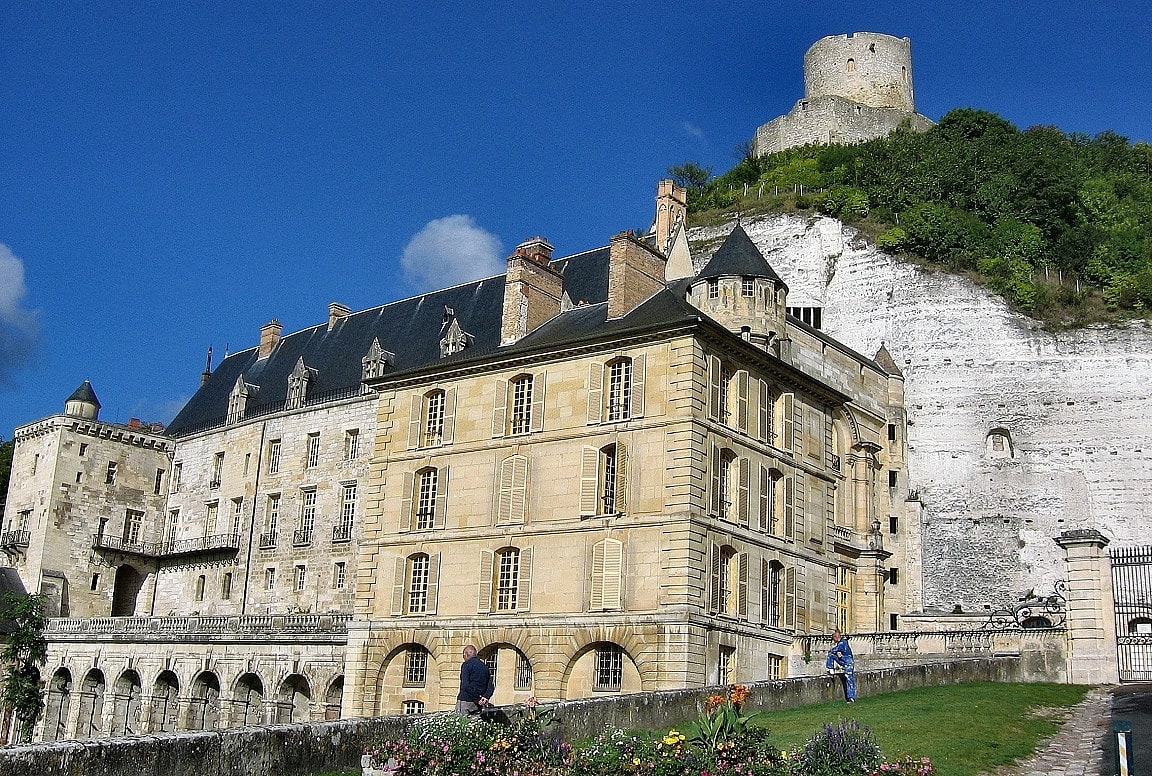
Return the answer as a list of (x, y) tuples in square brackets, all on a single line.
[(1132, 592)]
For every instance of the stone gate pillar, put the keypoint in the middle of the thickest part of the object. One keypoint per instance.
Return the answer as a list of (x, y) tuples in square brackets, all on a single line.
[(1091, 622)]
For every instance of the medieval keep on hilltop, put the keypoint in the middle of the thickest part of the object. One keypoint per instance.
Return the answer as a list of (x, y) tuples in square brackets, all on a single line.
[(856, 87), (626, 469)]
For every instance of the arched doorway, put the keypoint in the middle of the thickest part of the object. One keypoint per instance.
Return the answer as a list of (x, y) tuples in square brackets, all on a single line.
[(165, 703), (126, 704), (129, 581), (57, 705), (204, 702), (248, 701), (294, 701), (90, 723), (334, 698)]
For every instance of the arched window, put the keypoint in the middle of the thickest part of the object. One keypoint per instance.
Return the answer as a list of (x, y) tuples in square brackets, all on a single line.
[(772, 593), (520, 407), (604, 480), (619, 389), (416, 586), (505, 580), (616, 390), (424, 499), (851, 65), (999, 444), (433, 424)]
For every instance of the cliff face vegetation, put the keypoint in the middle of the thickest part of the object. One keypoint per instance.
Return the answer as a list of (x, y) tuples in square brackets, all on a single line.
[(1059, 224)]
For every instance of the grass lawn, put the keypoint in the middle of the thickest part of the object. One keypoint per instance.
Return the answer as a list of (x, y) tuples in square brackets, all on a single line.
[(966, 728)]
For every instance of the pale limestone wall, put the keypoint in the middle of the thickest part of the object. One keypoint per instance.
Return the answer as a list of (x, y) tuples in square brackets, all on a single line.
[(832, 120), (69, 502), (246, 475), (865, 67), (1074, 404)]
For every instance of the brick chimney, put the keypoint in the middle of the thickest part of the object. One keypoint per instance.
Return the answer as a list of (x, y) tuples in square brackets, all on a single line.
[(671, 212), (269, 337), (635, 273), (532, 290), (336, 311)]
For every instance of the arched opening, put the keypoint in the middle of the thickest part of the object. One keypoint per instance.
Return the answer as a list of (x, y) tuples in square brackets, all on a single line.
[(204, 702), (851, 65), (1030, 623), (409, 673), (511, 673), (1140, 626), (127, 587), (165, 703), (294, 701), (601, 668), (999, 444), (90, 722), (248, 701), (126, 704), (57, 705), (334, 698)]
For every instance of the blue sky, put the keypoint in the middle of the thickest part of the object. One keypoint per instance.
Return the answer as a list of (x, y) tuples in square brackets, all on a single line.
[(173, 175)]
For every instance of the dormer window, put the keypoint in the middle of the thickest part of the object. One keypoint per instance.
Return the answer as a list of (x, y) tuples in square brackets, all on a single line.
[(298, 385), (453, 337), (375, 361)]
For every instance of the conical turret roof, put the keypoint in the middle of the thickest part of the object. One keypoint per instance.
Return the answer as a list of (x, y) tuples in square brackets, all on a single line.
[(739, 256), (84, 394), (886, 362)]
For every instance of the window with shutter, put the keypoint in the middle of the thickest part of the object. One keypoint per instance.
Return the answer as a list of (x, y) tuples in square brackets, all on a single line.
[(607, 570), (484, 599), (744, 468), (786, 421), (764, 413), (595, 392), (589, 480), (742, 401), (790, 597), (513, 489)]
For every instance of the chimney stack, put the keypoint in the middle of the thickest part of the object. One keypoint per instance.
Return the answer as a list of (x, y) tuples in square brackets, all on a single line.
[(336, 311), (269, 337), (671, 212), (533, 290), (635, 273)]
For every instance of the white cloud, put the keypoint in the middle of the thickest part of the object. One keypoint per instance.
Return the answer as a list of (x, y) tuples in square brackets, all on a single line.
[(17, 325), (694, 131), (449, 251)]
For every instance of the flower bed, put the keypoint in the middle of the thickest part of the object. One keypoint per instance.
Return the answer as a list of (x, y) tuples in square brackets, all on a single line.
[(723, 741)]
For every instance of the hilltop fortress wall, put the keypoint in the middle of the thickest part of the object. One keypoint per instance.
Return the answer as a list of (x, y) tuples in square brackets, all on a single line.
[(1014, 433)]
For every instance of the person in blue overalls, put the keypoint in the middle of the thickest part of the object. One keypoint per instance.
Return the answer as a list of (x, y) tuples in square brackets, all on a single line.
[(840, 656)]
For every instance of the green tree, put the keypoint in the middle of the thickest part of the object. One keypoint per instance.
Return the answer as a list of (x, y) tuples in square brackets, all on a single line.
[(6, 450), (690, 175), (24, 652)]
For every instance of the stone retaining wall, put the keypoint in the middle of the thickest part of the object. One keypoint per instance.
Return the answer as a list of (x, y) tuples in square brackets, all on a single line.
[(307, 748)]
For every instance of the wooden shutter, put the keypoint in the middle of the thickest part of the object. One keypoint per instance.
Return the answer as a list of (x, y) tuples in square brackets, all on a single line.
[(449, 415), (596, 594), (536, 422), (637, 408), (621, 478), (596, 392), (504, 486), (441, 497), (524, 594), (789, 518), (797, 426), (801, 597), (714, 495), (519, 502), (607, 571), (817, 517), (415, 421), (400, 583), (789, 613), (589, 479), (484, 600), (715, 400), (500, 409), (765, 497), (433, 581), (742, 588), (406, 513), (799, 509), (764, 427), (714, 597), (787, 422), (743, 488), (742, 401)]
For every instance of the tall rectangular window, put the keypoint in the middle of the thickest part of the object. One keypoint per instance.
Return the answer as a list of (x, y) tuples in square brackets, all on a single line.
[(270, 579), (313, 451), (237, 514), (418, 584), (210, 521), (426, 500), (110, 474), (523, 672), (340, 575), (226, 587), (609, 673), (521, 420), (775, 667), (170, 529), (416, 668), (274, 456), (507, 579), (177, 471), (272, 516), (158, 485), (619, 389), (217, 470), (307, 517), (726, 665), (301, 575), (433, 419), (351, 444), (343, 531), (133, 524), (608, 480)]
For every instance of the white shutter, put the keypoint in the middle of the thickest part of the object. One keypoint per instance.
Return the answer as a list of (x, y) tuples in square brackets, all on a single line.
[(500, 409), (743, 486), (449, 415), (790, 597), (789, 517), (742, 401), (637, 408), (715, 400), (787, 422), (441, 497), (596, 597), (504, 492), (798, 427), (714, 495), (589, 478), (595, 392), (621, 478), (484, 600), (433, 581), (524, 594), (399, 584), (714, 594), (799, 510), (742, 588), (536, 422), (518, 508), (764, 432), (406, 501), (415, 418), (765, 497), (613, 573)]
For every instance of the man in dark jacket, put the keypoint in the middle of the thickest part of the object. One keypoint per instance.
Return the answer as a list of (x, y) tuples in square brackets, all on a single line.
[(476, 687)]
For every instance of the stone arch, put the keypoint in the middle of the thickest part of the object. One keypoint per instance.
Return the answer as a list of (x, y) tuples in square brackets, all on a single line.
[(165, 705), (57, 705), (126, 590), (247, 706), (394, 686), (90, 722), (126, 695), (581, 671), (998, 443), (508, 661), (634, 641), (204, 702), (294, 700), (334, 698)]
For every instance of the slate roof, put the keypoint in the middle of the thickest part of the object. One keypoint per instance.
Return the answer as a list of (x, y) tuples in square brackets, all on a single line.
[(886, 362), (738, 256), (85, 394), (409, 328)]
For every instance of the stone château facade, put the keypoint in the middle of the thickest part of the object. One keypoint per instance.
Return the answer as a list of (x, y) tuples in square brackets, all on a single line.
[(612, 472), (856, 87)]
